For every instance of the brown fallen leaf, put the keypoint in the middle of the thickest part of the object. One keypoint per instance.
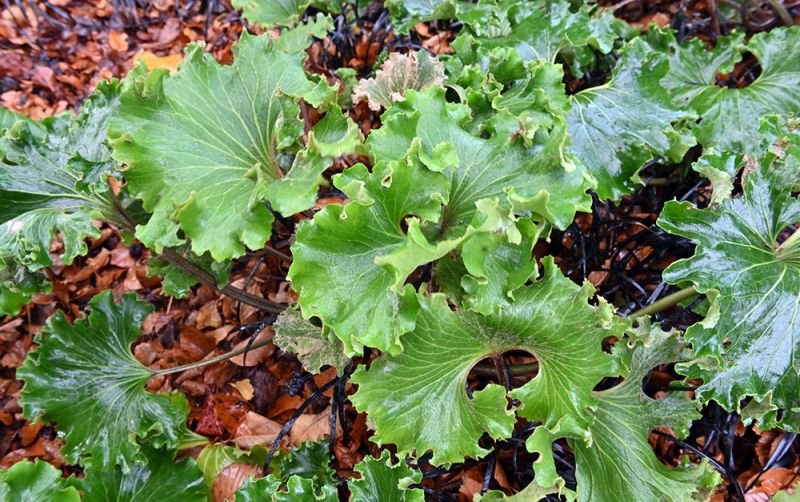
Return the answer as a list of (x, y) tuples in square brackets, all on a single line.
[(311, 428), (153, 62), (230, 479), (255, 429), (118, 41), (245, 388)]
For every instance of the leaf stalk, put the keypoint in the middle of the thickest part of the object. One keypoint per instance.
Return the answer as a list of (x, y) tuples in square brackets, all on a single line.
[(213, 360), (666, 302)]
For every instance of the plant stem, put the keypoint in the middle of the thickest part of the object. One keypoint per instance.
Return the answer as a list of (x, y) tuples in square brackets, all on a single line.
[(206, 278), (127, 222), (666, 302), (275, 252), (213, 360), (777, 6), (484, 369)]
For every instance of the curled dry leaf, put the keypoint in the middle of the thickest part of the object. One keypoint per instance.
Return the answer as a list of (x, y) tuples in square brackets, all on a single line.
[(311, 428), (245, 388), (256, 429), (254, 356), (401, 72)]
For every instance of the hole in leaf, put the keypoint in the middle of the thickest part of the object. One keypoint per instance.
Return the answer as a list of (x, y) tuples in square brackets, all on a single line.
[(785, 234), (662, 440), (565, 463), (520, 367), (744, 73), (608, 383), (662, 381), (451, 95)]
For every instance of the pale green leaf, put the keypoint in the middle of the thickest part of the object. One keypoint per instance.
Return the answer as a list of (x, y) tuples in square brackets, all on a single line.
[(790, 495), (620, 464), (206, 148), (418, 401), (334, 268), (532, 493), (401, 72), (425, 160), (84, 377), (524, 178)]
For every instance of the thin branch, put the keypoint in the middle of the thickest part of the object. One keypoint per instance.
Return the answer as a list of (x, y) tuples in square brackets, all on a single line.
[(206, 278), (121, 217), (783, 13), (485, 369), (275, 252), (714, 12), (213, 360)]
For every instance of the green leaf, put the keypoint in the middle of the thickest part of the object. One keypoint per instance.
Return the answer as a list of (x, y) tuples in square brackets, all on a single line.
[(786, 496), (207, 147), (407, 13), (9, 118), (720, 167), (315, 347), (178, 283), (533, 492), (418, 401), (35, 481), (335, 135), (494, 268), (334, 269), (52, 184), (84, 377), (160, 479), (351, 263), (524, 178), (730, 117), (748, 343), (311, 460), (619, 126), (537, 31), (382, 481), (270, 13), (17, 287), (401, 72), (297, 489), (620, 463)]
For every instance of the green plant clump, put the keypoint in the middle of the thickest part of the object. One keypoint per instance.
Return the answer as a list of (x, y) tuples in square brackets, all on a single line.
[(479, 156)]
